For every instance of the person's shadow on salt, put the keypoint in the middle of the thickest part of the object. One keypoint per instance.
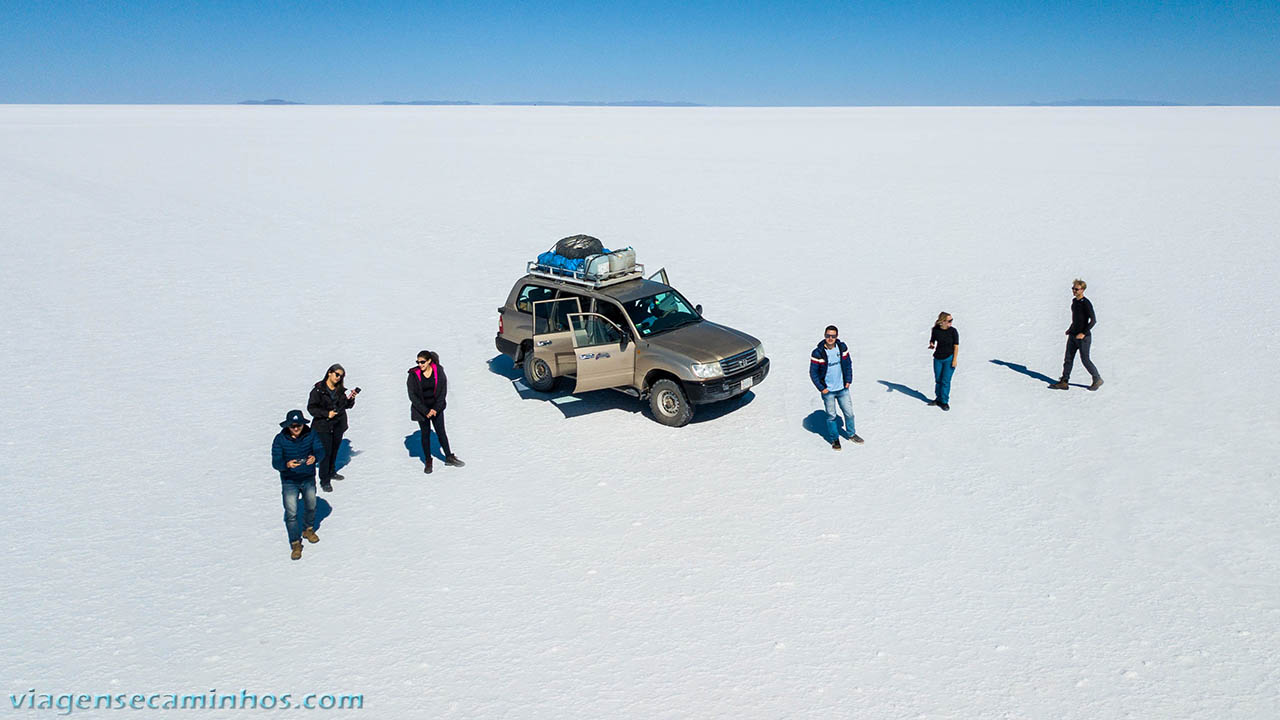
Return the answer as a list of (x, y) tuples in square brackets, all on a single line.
[(323, 510), (345, 453), (910, 392), (816, 423), (413, 443), (1023, 369)]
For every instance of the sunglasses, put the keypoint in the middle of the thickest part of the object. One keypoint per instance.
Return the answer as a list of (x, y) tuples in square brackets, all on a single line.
[(831, 335), (339, 375), (295, 426), (422, 362)]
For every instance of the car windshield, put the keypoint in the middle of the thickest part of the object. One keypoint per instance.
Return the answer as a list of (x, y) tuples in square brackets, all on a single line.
[(661, 312)]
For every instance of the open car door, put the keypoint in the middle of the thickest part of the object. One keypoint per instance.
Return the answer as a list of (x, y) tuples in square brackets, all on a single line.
[(606, 356), (660, 276), (552, 337)]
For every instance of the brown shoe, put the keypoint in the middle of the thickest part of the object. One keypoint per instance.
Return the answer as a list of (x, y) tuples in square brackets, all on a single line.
[(1097, 383), (310, 535), (1060, 385), (297, 550)]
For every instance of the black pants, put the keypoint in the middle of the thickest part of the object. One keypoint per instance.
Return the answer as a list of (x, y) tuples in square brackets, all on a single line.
[(331, 440), (1083, 346), (425, 426)]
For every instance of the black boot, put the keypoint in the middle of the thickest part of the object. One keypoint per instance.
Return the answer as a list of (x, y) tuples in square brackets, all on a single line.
[(453, 460)]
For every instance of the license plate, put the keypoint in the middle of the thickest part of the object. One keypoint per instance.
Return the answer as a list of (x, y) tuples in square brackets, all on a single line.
[(747, 382)]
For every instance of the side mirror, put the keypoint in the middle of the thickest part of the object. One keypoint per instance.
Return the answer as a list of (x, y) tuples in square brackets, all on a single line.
[(698, 309)]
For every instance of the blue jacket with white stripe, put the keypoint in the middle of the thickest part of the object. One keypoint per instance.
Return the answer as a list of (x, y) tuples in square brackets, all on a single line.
[(818, 365)]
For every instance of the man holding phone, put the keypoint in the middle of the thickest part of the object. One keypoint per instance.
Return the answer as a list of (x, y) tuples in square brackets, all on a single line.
[(294, 453)]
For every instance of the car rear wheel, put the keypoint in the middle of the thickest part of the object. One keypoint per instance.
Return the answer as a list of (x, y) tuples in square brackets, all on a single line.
[(669, 404), (537, 374)]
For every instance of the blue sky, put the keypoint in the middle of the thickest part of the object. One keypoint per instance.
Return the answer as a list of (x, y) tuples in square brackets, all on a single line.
[(723, 53)]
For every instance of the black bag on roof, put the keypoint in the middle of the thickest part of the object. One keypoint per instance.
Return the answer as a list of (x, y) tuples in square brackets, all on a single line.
[(576, 247)]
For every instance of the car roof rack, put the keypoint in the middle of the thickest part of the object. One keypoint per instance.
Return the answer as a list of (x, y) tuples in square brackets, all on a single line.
[(580, 277)]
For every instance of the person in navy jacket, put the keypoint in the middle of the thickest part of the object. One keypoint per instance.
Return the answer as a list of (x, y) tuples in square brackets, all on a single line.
[(831, 371), (295, 452)]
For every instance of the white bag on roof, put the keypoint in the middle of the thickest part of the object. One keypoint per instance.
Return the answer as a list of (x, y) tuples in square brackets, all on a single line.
[(621, 261), (609, 264)]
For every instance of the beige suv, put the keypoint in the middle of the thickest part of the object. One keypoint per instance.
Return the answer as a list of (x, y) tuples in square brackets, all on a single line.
[(629, 333)]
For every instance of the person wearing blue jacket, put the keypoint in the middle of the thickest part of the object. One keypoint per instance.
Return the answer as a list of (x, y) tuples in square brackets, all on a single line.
[(295, 452), (831, 371)]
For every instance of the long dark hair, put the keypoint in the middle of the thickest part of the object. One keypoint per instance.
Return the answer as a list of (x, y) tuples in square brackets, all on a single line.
[(339, 386), (433, 358)]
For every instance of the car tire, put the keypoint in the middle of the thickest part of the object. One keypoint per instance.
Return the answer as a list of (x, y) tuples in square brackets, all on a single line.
[(537, 374), (669, 404)]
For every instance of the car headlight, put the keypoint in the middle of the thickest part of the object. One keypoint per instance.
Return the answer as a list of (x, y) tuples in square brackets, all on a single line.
[(760, 353), (707, 371)]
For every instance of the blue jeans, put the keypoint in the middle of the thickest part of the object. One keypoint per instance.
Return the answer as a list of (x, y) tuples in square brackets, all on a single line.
[(830, 400), (289, 490), (942, 372)]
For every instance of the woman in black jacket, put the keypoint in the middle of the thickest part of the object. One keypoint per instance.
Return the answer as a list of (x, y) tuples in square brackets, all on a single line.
[(427, 389), (328, 404)]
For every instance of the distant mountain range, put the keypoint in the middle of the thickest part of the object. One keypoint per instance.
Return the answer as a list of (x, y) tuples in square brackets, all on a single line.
[(571, 103), (666, 103), (1108, 103), (269, 102)]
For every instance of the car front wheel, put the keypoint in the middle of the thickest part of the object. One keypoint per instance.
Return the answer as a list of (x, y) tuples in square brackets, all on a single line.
[(669, 404)]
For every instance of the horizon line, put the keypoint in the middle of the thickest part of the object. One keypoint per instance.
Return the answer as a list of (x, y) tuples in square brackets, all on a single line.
[(643, 104)]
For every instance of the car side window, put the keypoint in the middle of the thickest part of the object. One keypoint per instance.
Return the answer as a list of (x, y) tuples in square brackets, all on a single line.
[(591, 330), (560, 316), (530, 294), (612, 311)]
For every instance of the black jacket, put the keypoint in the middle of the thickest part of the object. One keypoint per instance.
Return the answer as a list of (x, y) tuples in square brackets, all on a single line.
[(426, 393), (321, 401), (1082, 317)]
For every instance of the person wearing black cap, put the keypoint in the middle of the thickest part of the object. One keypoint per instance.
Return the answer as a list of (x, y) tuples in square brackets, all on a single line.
[(328, 404), (295, 452)]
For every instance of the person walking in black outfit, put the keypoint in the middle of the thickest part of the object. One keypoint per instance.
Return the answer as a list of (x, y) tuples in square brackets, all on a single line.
[(1079, 337), (328, 405), (427, 389)]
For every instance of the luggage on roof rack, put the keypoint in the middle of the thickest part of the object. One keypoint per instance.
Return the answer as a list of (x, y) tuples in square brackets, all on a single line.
[(594, 270)]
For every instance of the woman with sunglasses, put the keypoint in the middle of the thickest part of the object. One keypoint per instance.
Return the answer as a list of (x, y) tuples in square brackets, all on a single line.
[(944, 341), (427, 388), (328, 405)]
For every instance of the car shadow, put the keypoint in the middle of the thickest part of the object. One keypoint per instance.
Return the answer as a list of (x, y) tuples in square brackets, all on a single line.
[(910, 392), (717, 410), (572, 406), (413, 443)]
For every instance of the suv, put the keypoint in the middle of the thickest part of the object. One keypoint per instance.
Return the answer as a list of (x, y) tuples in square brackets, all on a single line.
[(628, 333)]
